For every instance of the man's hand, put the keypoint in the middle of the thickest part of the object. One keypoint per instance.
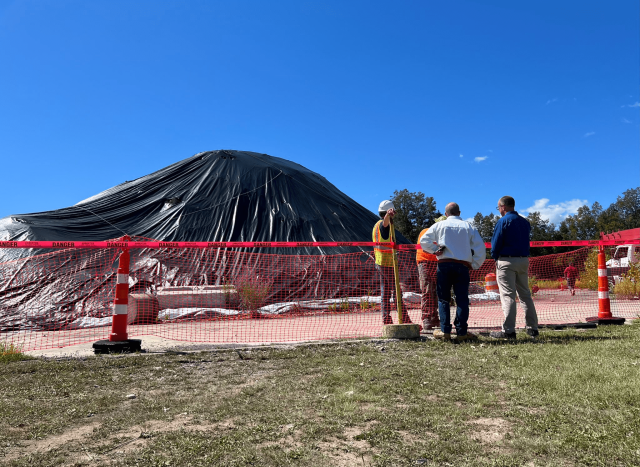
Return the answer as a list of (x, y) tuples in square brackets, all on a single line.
[(388, 217), (439, 251)]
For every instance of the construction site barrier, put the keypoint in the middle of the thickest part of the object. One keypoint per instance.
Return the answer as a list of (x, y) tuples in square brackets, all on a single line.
[(222, 292), (216, 245)]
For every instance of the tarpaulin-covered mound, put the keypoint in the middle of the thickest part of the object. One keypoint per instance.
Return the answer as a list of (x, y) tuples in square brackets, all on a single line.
[(219, 195)]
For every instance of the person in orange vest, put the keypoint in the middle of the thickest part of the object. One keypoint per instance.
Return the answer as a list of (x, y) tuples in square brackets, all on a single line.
[(427, 266), (384, 262)]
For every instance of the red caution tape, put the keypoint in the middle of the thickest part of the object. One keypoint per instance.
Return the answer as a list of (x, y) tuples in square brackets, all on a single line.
[(156, 245)]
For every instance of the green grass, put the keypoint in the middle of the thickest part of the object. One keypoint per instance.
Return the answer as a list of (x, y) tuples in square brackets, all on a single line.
[(570, 398)]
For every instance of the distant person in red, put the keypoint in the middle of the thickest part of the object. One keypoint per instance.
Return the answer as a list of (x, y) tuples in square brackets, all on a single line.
[(571, 273)]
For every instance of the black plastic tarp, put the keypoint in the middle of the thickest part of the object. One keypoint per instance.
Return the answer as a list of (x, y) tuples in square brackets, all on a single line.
[(223, 195)]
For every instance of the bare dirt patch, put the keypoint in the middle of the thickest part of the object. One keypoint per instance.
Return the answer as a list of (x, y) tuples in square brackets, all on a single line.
[(489, 430), (74, 435), (132, 439), (349, 451)]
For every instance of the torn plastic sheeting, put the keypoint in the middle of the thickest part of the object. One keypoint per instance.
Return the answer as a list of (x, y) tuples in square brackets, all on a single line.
[(169, 314), (484, 297), (88, 322)]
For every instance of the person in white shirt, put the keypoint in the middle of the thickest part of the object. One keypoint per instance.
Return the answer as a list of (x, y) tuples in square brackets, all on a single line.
[(459, 248)]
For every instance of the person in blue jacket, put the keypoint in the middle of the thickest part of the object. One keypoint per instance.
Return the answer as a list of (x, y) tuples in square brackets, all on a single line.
[(510, 250)]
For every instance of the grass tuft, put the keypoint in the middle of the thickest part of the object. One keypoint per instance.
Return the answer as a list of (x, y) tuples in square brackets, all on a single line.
[(10, 352)]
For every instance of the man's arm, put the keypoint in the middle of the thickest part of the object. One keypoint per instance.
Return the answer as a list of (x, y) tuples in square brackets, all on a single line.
[(478, 249), (428, 241), (497, 240)]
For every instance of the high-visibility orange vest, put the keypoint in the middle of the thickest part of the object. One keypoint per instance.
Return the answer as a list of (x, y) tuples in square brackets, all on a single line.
[(422, 255), (384, 255)]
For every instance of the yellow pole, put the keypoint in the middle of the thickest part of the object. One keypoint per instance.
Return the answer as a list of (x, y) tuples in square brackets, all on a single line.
[(396, 274)]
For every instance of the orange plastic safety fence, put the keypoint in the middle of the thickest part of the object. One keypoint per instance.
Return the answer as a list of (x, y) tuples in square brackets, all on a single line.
[(224, 296)]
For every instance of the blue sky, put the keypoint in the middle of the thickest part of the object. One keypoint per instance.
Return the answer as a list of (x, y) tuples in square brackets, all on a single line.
[(463, 100)]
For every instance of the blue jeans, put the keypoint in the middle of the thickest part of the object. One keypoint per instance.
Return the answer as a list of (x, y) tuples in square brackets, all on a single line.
[(387, 289), (456, 275)]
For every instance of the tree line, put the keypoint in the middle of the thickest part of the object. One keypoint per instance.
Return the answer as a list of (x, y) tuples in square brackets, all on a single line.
[(415, 211)]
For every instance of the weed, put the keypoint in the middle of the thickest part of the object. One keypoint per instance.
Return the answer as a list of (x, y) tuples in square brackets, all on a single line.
[(252, 289), (342, 306), (228, 290), (365, 304), (8, 349), (11, 353)]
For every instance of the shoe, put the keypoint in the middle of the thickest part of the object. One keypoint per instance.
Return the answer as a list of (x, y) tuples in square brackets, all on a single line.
[(431, 323), (503, 335), (532, 332), (469, 336), (387, 320), (438, 334)]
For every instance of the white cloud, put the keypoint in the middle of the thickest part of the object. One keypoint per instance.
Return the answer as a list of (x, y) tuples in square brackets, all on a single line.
[(555, 213), (589, 133), (551, 101), (637, 104), (480, 159), (624, 120), (461, 155)]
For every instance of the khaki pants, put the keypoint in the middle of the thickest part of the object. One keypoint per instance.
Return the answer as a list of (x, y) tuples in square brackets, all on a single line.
[(512, 276), (429, 302)]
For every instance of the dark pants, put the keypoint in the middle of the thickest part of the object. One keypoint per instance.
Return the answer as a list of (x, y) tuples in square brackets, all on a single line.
[(454, 275), (429, 302), (387, 289)]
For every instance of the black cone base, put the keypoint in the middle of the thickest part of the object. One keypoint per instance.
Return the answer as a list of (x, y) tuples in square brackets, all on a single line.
[(605, 321), (107, 346), (558, 327)]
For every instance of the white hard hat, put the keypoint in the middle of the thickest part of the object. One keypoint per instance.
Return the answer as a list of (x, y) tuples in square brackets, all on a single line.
[(385, 206)]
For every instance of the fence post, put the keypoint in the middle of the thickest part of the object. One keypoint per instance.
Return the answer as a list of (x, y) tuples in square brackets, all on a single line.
[(604, 303), (396, 275), (121, 302), (118, 338)]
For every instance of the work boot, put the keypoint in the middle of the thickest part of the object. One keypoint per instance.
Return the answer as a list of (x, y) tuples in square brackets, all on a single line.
[(438, 334), (387, 320), (431, 323), (466, 337), (503, 335), (532, 332)]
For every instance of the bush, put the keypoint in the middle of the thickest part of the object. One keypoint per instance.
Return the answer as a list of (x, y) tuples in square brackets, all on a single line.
[(589, 277), (252, 289), (626, 289), (629, 286)]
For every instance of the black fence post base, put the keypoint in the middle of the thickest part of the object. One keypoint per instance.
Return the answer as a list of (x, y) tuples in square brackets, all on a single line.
[(605, 321), (126, 346)]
